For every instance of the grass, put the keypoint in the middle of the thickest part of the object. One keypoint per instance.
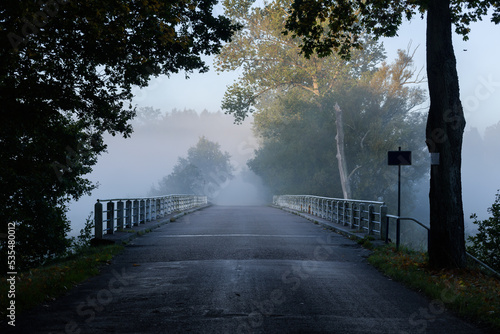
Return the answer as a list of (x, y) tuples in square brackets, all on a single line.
[(470, 293), (366, 242), (48, 282)]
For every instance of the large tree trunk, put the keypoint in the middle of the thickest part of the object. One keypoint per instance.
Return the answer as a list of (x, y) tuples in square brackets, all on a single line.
[(341, 159), (444, 132)]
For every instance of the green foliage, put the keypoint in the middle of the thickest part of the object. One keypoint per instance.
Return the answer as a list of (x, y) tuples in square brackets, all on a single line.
[(238, 101), (294, 98), (366, 242), (297, 153), (39, 238), (205, 169), (67, 69), (486, 243), (329, 25), (82, 241)]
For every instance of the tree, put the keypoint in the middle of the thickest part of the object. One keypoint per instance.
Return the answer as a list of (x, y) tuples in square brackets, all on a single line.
[(272, 68), (203, 172), (298, 150), (272, 64), (67, 69), (337, 26)]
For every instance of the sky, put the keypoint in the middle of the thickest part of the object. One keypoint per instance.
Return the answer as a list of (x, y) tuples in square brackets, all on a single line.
[(477, 65), (129, 169)]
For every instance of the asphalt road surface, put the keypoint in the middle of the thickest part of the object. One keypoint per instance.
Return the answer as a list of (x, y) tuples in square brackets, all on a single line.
[(242, 270)]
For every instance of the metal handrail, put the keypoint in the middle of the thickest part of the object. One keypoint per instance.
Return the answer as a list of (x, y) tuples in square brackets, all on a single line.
[(128, 212), (358, 214), (481, 263), (332, 198), (142, 198), (398, 228)]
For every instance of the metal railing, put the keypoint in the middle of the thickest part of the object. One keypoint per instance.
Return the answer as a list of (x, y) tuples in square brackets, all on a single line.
[(367, 216), (398, 228), (398, 241), (120, 213)]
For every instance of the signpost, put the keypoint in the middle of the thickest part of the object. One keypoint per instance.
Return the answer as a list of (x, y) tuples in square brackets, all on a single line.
[(398, 158)]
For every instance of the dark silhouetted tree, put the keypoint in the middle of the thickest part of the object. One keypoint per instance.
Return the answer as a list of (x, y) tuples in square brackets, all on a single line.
[(67, 69)]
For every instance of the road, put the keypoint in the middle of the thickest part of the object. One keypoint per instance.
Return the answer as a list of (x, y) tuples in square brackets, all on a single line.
[(242, 270)]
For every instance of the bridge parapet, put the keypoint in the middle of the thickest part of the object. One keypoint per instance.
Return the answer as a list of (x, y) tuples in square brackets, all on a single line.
[(367, 216), (121, 213)]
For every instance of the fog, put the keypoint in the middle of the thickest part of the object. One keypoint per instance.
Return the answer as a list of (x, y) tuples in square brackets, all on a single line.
[(480, 183), (133, 165)]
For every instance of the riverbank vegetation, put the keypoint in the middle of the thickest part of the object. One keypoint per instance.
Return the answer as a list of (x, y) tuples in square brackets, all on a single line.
[(469, 292)]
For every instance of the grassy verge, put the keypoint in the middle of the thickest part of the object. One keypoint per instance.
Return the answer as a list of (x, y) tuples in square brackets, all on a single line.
[(468, 292), (48, 282)]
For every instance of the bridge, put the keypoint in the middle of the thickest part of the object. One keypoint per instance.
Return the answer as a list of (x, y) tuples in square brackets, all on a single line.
[(241, 269), (363, 218)]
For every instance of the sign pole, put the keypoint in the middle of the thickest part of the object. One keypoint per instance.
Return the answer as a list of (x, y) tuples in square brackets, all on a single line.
[(398, 158), (398, 222), (399, 187)]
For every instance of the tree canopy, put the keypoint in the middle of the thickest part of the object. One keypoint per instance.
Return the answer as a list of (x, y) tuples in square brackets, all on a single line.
[(298, 151), (303, 131), (271, 62), (328, 26), (67, 69), (203, 172)]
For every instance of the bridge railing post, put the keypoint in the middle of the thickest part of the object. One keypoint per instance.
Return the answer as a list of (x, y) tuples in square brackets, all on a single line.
[(325, 209), (163, 209), (110, 217), (337, 212), (142, 209), (351, 216), (119, 215), (370, 219), (98, 220), (361, 213), (128, 214), (136, 213), (157, 208), (169, 204), (342, 216), (384, 222), (147, 210)]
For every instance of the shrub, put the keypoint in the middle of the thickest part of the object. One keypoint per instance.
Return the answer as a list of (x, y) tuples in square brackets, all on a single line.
[(83, 241), (486, 243)]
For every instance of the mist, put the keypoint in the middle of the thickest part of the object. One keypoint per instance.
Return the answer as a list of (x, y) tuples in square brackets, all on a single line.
[(480, 183), (132, 166)]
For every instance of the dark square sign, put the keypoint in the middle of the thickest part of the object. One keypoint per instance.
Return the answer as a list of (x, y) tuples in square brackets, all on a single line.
[(399, 158)]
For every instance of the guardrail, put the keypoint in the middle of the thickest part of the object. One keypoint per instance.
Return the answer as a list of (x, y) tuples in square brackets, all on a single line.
[(398, 228), (368, 216), (361, 215), (123, 213), (398, 237)]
